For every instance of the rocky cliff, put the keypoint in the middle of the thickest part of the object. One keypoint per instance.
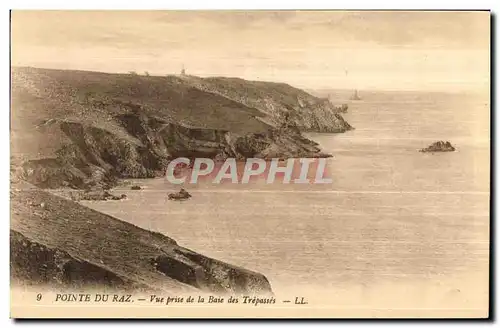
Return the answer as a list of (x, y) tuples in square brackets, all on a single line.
[(78, 129), (94, 156), (279, 102), (438, 146), (60, 243)]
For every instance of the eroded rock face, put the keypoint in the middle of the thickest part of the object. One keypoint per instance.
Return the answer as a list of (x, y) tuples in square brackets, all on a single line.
[(39, 264), (439, 146), (102, 195), (67, 245), (95, 158), (92, 128)]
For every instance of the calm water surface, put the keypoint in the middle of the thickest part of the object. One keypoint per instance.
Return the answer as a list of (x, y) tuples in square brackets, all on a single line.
[(394, 221)]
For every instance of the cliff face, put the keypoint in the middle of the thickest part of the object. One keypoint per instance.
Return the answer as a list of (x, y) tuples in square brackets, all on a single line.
[(279, 102), (56, 242), (78, 129)]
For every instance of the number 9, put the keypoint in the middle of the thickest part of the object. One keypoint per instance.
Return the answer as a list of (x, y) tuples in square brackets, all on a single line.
[(38, 297)]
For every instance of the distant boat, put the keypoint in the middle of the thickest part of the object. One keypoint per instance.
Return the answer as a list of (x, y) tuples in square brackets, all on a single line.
[(355, 96)]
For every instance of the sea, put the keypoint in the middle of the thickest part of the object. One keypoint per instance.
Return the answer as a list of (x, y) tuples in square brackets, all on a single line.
[(397, 230)]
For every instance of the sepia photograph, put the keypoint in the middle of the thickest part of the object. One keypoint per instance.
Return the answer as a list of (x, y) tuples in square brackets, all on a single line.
[(250, 164)]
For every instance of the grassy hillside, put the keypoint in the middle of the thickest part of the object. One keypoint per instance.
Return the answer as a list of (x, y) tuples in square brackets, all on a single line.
[(278, 101), (57, 242), (79, 128)]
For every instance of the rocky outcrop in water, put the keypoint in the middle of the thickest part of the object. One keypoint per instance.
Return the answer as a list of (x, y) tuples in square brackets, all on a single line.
[(95, 195), (439, 146), (343, 108), (94, 157), (181, 195)]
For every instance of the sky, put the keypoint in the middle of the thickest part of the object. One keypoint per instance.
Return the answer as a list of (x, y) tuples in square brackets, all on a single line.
[(365, 50)]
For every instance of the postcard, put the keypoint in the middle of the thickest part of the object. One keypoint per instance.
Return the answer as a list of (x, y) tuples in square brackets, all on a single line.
[(250, 164)]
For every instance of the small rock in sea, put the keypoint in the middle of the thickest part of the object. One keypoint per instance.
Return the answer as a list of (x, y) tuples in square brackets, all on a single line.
[(439, 146), (135, 188)]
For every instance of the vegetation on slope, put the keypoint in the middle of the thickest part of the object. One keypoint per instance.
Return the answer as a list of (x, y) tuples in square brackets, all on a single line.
[(278, 101), (79, 129), (63, 244)]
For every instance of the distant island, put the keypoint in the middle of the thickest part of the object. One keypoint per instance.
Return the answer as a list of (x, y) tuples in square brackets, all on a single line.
[(439, 146)]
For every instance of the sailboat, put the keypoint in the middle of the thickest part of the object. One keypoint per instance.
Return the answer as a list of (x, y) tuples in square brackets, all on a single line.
[(355, 96)]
